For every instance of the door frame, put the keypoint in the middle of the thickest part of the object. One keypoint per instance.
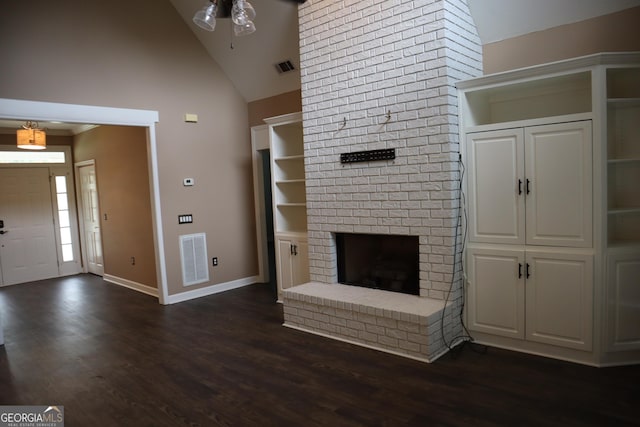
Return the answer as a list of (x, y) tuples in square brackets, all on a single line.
[(258, 144), (79, 201), (14, 109)]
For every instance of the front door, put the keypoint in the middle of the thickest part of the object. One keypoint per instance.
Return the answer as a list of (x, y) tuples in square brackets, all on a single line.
[(91, 218), (27, 244)]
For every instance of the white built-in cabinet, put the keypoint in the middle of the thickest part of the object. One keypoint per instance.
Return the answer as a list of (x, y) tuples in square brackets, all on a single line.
[(552, 184), (531, 185), (289, 200)]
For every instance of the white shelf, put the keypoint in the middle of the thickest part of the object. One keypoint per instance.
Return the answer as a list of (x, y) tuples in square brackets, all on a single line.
[(290, 181), (623, 161), (624, 102), (289, 158), (623, 211), (289, 205)]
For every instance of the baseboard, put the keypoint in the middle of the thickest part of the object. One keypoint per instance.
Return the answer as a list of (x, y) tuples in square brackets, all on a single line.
[(131, 285), (210, 290)]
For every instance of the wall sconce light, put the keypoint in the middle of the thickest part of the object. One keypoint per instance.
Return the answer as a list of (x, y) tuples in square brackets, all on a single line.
[(30, 137)]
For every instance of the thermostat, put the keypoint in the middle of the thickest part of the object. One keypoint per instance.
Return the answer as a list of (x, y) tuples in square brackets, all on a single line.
[(188, 182)]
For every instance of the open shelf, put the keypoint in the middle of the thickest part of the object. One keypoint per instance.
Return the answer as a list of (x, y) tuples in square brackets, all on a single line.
[(623, 156), (553, 96), (287, 169)]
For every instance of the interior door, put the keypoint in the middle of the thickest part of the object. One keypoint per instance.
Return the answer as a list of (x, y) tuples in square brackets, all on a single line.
[(91, 219), (27, 244)]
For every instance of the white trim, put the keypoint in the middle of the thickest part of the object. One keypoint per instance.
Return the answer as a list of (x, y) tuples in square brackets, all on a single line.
[(131, 285), (258, 145), (48, 111), (83, 237), (211, 290)]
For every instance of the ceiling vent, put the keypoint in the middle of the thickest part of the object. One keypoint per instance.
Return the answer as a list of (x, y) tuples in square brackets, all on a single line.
[(285, 66)]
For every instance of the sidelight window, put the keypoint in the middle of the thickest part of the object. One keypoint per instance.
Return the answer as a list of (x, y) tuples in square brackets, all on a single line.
[(64, 219)]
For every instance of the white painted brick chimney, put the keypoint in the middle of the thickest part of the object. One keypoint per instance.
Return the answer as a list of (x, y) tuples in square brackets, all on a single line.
[(359, 60)]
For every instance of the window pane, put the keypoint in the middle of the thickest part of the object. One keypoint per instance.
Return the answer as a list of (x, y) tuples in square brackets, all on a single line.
[(64, 218), (61, 184), (67, 253), (32, 157), (65, 235), (62, 202)]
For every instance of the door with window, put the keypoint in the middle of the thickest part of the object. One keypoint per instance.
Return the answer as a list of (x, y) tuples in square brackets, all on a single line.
[(27, 244)]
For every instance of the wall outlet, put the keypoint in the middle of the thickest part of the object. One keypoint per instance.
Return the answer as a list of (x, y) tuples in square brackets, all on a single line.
[(214, 261)]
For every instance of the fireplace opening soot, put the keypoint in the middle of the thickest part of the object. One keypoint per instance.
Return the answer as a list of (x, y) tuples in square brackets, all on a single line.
[(379, 261)]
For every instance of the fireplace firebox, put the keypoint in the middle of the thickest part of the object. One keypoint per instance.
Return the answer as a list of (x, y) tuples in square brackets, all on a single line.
[(379, 261)]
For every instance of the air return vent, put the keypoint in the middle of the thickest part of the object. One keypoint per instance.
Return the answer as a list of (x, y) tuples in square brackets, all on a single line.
[(285, 66), (193, 254)]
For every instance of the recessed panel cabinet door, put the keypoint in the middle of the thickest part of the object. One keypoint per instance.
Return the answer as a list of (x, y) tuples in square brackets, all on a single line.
[(496, 291), (559, 188), (559, 295), (496, 186)]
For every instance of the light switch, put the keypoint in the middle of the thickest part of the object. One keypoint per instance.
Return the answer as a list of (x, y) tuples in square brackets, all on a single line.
[(191, 118)]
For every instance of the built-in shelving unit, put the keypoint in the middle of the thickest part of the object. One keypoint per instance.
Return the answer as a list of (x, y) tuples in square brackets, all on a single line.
[(623, 156), (581, 291), (288, 176), (289, 199)]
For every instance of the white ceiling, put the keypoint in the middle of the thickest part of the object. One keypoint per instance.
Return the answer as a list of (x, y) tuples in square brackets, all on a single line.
[(250, 65)]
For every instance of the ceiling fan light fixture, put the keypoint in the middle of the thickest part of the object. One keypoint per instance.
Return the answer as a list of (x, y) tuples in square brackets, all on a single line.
[(245, 29), (242, 12), (30, 137), (205, 18)]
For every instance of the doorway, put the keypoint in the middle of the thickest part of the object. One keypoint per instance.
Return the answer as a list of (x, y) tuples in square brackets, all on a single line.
[(268, 218), (13, 109), (90, 217)]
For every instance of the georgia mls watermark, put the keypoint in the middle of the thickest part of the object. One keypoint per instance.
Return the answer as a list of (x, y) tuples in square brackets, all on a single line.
[(31, 416)]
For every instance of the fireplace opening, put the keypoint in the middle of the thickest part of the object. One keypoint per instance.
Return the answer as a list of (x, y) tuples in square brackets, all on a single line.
[(379, 261)]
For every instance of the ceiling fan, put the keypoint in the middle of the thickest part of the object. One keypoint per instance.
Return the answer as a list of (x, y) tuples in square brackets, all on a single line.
[(240, 11)]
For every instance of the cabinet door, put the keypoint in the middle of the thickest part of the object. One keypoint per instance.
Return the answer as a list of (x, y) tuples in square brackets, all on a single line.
[(623, 301), (559, 188), (284, 270), (300, 262), (559, 296), (495, 186), (496, 291)]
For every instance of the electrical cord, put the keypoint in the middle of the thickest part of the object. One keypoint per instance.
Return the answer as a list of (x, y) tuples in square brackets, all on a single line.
[(462, 213)]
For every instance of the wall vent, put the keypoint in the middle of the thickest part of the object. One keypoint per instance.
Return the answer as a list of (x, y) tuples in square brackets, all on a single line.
[(193, 254), (285, 66)]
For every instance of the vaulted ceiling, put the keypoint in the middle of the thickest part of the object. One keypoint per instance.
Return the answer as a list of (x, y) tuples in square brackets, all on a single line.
[(249, 61)]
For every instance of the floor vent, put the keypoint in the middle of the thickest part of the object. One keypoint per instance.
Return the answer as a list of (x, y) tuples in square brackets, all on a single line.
[(284, 67), (193, 254)]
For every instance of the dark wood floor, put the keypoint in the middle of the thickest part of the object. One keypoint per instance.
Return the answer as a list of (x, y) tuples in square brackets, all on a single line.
[(114, 357)]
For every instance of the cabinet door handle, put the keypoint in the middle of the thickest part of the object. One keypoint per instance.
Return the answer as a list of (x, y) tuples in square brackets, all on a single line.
[(528, 273), (519, 186), (291, 249), (295, 249), (519, 270), (528, 182)]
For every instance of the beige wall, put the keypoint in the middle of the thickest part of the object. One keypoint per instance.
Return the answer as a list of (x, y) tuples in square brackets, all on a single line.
[(617, 32), (290, 102), (141, 54), (120, 154)]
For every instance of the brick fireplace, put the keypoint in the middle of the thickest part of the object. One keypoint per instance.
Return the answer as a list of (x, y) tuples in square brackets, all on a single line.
[(380, 75)]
